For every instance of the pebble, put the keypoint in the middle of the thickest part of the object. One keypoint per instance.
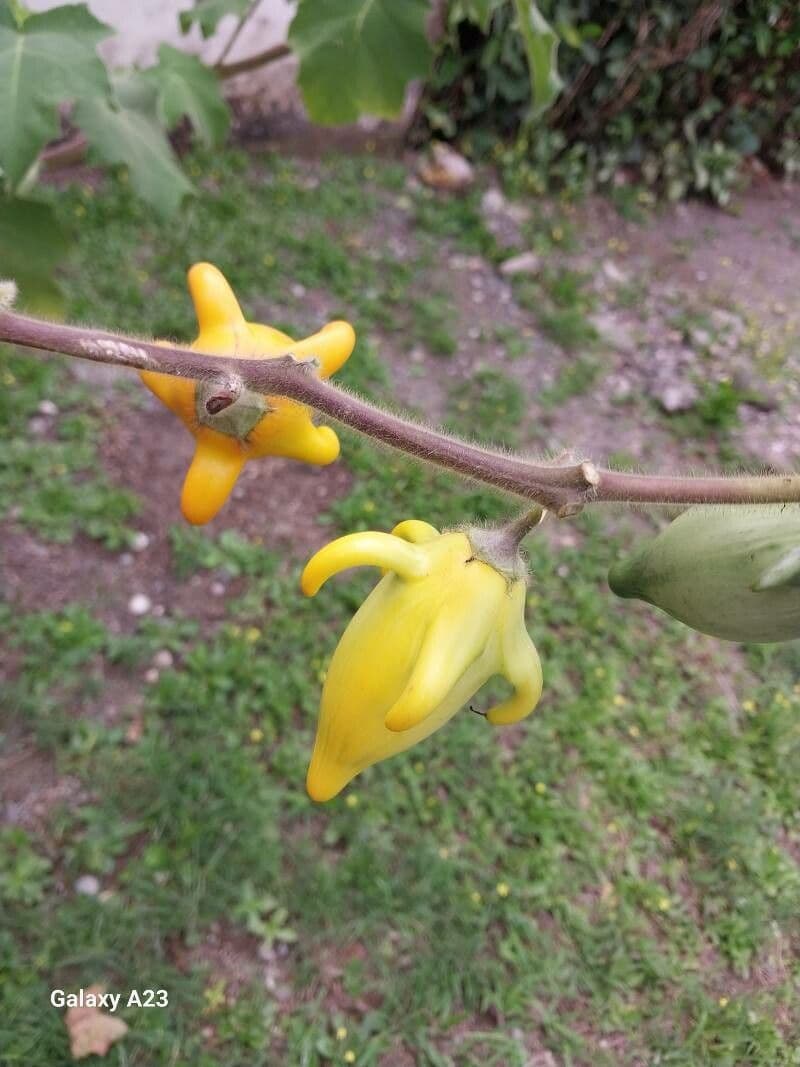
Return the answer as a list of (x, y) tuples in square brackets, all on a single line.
[(88, 885), (680, 396), (297, 290), (493, 201), (444, 168), (152, 675), (126, 559), (140, 541), (524, 263), (163, 659), (218, 589), (139, 604), (613, 272), (47, 407), (616, 333)]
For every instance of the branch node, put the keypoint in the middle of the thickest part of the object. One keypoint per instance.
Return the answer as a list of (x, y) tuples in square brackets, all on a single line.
[(590, 473)]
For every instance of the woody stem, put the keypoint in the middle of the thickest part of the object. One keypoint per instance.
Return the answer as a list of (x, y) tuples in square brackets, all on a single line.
[(559, 488)]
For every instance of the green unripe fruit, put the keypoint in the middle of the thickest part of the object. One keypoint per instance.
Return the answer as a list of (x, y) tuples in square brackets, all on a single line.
[(732, 572)]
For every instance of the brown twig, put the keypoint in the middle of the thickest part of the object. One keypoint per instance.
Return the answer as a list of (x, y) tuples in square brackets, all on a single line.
[(561, 489), (260, 59)]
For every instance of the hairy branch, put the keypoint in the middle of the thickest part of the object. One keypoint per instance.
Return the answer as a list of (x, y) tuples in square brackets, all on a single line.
[(562, 489)]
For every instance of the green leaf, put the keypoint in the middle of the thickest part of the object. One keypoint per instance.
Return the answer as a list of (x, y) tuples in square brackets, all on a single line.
[(541, 48), (186, 87), (207, 14), (48, 59), (32, 244), (120, 134), (357, 56)]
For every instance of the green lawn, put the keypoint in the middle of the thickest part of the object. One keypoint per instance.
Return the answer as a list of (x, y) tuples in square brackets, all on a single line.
[(614, 881)]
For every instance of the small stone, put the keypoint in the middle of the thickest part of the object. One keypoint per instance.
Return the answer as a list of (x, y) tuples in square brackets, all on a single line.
[(126, 559), (524, 263), (621, 388), (700, 338), (679, 396), (444, 168), (159, 611), (87, 885), (151, 675), (493, 201), (614, 273), (297, 290), (139, 604), (218, 589), (139, 541), (616, 333), (474, 333), (47, 407), (163, 659)]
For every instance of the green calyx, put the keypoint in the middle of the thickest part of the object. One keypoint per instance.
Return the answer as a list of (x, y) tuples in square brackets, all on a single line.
[(235, 415), (730, 571)]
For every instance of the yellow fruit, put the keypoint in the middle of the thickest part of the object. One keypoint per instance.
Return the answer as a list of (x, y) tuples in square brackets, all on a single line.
[(253, 426), (438, 624)]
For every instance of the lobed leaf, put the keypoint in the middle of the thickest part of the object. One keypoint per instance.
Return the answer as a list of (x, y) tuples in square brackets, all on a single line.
[(187, 87), (128, 135), (541, 49), (32, 244), (357, 56), (45, 59), (208, 13)]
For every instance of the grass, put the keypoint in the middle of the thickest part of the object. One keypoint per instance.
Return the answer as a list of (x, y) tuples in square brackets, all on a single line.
[(614, 881)]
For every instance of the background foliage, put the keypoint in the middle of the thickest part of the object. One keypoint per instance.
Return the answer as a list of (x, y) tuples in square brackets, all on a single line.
[(677, 90)]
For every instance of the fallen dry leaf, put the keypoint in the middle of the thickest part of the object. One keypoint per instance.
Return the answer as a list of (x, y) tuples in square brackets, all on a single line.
[(91, 1031)]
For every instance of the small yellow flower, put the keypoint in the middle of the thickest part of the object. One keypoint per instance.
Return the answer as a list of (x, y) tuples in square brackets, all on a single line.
[(252, 634), (475, 897), (251, 426), (664, 904), (439, 624), (502, 889), (540, 788), (341, 1033), (619, 700), (352, 800), (349, 1056), (723, 1002), (733, 865), (599, 672), (634, 730), (749, 706), (444, 853), (256, 736), (65, 627)]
